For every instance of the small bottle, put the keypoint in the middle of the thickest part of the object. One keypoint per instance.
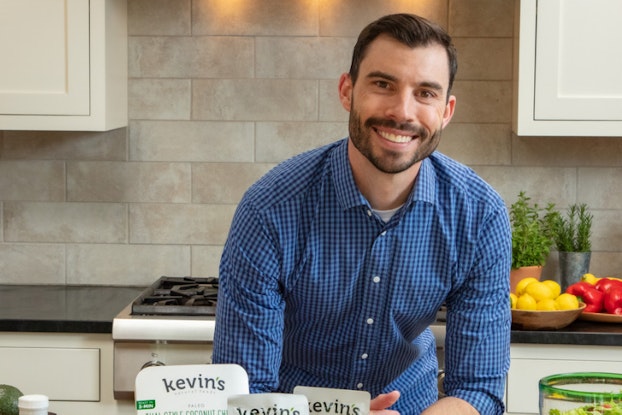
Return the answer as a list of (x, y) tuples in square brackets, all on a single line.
[(33, 405)]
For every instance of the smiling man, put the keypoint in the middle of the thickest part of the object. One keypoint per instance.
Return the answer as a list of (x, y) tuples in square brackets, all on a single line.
[(338, 259), (398, 108)]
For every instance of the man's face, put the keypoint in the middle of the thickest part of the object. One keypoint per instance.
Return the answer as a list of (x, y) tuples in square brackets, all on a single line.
[(399, 103)]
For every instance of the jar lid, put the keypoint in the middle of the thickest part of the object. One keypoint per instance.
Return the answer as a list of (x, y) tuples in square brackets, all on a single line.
[(33, 402), (588, 387)]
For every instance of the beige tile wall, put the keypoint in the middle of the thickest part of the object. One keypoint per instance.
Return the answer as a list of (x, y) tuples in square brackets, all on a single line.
[(220, 91)]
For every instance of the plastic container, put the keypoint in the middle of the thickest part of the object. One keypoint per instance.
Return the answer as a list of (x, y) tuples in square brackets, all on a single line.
[(595, 392), (33, 405)]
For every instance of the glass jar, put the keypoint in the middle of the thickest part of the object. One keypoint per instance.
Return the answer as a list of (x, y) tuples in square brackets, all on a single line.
[(594, 392)]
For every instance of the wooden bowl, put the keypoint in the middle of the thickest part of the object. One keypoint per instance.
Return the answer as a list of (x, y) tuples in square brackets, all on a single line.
[(544, 320)]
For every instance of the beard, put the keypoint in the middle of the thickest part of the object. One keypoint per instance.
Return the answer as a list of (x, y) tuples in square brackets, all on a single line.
[(391, 162)]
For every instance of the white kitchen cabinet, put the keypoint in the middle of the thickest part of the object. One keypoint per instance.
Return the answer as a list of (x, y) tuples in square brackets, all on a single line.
[(53, 377), (532, 362), (567, 80), (73, 369), (64, 64)]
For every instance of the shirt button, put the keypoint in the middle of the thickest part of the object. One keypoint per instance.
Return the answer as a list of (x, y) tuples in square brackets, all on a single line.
[(359, 386), (368, 212), (376, 279), (370, 321), (364, 356)]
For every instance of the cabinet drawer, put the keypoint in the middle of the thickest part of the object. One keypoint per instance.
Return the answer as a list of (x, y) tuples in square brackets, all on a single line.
[(63, 374)]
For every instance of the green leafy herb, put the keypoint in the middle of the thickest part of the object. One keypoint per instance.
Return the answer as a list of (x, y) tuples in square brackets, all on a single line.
[(602, 409), (532, 237), (572, 233)]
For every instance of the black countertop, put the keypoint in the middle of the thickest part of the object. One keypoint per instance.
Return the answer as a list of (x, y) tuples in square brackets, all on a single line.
[(62, 308), (91, 309), (584, 333)]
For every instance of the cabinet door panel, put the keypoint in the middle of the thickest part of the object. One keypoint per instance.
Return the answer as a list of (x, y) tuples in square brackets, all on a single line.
[(45, 50), (577, 60), (63, 374), (567, 68)]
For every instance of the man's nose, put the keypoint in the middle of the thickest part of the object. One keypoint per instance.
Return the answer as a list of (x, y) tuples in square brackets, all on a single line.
[(402, 107)]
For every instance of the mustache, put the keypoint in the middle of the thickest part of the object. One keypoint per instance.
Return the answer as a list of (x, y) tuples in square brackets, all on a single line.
[(414, 129)]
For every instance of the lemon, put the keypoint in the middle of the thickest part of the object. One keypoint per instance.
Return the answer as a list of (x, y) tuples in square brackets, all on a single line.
[(590, 278), (522, 284), (539, 291), (554, 286), (566, 302), (513, 300), (548, 304), (526, 302)]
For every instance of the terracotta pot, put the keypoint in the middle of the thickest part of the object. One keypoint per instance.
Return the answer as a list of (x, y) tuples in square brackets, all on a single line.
[(517, 274)]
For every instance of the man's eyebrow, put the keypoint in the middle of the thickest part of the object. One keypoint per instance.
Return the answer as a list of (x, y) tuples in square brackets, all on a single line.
[(383, 75), (432, 85), (426, 84)]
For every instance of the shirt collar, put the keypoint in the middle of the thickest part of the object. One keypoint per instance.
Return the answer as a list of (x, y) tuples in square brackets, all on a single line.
[(349, 195), (425, 186), (347, 192)]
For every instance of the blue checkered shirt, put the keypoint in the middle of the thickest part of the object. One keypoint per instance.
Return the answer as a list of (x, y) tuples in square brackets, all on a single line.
[(315, 289)]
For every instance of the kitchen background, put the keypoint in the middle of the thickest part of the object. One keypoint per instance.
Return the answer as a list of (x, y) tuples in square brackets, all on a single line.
[(222, 90)]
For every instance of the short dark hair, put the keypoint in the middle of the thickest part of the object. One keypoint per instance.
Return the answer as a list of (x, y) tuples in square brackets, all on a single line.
[(409, 29)]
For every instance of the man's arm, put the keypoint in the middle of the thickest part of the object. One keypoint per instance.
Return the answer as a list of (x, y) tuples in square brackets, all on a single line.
[(477, 343), (249, 315), (450, 405)]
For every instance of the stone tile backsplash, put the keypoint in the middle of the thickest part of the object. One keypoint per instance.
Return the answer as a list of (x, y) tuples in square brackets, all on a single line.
[(217, 96)]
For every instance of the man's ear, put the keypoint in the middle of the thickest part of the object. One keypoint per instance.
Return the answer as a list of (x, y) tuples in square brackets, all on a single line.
[(449, 110), (345, 91)]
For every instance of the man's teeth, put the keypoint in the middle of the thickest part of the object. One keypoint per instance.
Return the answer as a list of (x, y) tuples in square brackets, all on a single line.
[(395, 138)]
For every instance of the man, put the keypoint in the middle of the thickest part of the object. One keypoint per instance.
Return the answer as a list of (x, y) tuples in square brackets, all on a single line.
[(338, 259)]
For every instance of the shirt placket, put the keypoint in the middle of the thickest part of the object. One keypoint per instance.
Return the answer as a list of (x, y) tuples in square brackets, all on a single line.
[(375, 287)]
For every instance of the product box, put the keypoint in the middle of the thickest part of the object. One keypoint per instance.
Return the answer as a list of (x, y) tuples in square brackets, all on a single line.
[(188, 389)]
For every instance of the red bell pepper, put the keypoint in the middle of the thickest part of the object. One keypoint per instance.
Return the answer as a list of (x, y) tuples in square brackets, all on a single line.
[(604, 284), (588, 294), (613, 300)]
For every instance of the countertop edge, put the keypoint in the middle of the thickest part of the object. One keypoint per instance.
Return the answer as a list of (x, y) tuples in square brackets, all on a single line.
[(566, 337), (47, 326)]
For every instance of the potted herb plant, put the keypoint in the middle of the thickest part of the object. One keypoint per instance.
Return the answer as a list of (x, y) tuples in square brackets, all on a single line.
[(572, 237), (532, 238)]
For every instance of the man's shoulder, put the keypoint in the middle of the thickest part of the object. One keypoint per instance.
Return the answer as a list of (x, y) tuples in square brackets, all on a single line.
[(292, 177), (459, 178)]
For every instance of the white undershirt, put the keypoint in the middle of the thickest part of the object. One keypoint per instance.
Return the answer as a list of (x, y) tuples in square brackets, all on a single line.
[(386, 215)]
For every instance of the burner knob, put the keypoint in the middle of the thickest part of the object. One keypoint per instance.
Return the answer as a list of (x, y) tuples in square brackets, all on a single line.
[(153, 363)]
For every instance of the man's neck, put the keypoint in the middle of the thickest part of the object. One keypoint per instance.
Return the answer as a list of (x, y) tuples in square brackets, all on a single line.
[(383, 191)]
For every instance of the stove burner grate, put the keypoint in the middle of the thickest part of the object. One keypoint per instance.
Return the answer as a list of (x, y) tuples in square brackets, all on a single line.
[(178, 296)]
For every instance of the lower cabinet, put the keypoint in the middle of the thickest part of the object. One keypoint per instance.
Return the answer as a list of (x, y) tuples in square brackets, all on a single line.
[(531, 362), (73, 369)]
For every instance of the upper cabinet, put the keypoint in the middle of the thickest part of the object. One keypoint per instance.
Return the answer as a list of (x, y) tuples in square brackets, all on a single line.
[(568, 78), (64, 64)]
